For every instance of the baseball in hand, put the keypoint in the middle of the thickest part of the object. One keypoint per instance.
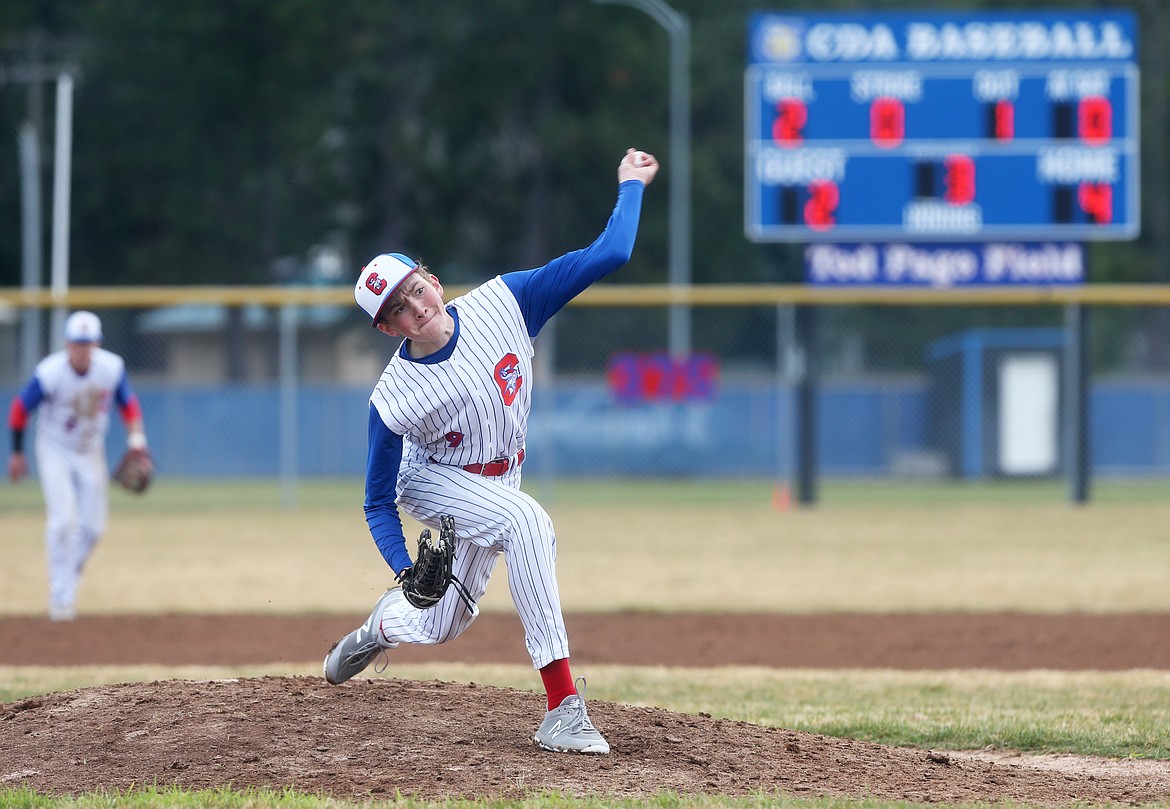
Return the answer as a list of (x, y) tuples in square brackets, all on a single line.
[(640, 159)]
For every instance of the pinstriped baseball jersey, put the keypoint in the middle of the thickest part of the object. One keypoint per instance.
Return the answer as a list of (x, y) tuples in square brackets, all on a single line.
[(472, 406), (416, 418)]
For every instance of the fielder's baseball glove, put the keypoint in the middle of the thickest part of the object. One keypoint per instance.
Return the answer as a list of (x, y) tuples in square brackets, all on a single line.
[(427, 581), (135, 470)]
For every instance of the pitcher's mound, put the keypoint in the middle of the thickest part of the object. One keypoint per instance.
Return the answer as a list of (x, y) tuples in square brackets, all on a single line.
[(373, 738)]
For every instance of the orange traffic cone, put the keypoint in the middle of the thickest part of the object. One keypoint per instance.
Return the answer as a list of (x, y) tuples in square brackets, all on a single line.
[(781, 497)]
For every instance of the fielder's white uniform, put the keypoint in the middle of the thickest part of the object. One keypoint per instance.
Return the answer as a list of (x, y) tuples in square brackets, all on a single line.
[(74, 417), (434, 418)]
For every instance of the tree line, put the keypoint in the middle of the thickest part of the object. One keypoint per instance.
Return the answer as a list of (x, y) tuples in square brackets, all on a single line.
[(238, 143)]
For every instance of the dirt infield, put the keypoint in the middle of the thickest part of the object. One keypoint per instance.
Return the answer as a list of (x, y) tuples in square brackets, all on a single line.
[(911, 641), (375, 737)]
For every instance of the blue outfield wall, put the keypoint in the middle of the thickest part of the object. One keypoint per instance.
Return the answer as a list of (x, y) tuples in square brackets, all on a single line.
[(236, 431), (1130, 428), (745, 430)]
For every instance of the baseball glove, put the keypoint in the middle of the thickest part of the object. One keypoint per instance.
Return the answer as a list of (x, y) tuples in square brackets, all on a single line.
[(427, 581), (135, 470)]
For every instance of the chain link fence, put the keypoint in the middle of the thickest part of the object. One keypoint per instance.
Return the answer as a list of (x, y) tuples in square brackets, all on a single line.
[(274, 383)]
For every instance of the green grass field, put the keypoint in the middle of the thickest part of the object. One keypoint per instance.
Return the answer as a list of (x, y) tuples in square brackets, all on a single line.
[(225, 547)]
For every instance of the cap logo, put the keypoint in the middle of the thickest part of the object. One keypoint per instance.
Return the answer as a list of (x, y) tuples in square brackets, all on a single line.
[(375, 284)]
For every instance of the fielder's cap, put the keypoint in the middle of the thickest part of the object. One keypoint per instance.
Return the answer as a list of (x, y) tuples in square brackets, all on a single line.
[(83, 327), (379, 279)]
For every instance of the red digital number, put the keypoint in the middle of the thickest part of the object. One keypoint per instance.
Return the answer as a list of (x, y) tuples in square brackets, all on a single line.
[(823, 197), (1005, 120), (887, 122), (791, 116), (1096, 200), (1095, 120), (958, 179)]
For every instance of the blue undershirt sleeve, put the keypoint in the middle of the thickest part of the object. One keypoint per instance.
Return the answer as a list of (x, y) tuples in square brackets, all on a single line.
[(122, 392), (383, 459), (542, 292), (32, 394)]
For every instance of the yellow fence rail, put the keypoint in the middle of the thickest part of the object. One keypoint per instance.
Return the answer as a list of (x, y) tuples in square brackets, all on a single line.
[(621, 295)]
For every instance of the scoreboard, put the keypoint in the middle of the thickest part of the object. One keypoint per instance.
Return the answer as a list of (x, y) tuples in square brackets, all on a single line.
[(942, 127)]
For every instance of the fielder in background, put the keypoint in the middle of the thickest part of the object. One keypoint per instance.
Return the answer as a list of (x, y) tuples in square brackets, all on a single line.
[(74, 390), (447, 422)]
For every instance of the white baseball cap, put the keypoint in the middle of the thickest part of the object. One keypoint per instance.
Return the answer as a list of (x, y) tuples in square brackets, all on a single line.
[(83, 327), (378, 280)]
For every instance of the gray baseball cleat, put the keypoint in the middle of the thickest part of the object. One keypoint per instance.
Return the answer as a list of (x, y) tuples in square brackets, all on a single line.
[(567, 729), (352, 653)]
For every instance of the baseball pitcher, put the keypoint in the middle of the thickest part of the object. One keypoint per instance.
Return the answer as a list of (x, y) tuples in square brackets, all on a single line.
[(447, 422)]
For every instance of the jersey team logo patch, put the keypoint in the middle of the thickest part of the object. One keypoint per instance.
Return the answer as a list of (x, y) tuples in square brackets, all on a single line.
[(508, 377)]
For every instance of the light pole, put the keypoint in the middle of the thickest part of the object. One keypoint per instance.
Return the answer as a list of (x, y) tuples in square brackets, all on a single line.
[(679, 254), (36, 71), (62, 183)]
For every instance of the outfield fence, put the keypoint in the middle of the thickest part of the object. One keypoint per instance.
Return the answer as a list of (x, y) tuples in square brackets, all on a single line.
[(916, 383)]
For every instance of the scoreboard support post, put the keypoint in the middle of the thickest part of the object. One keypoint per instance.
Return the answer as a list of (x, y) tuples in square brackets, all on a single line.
[(806, 410), (1076, 385)]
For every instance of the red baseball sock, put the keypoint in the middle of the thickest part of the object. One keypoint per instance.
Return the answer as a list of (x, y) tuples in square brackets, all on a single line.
[(558, 682)]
